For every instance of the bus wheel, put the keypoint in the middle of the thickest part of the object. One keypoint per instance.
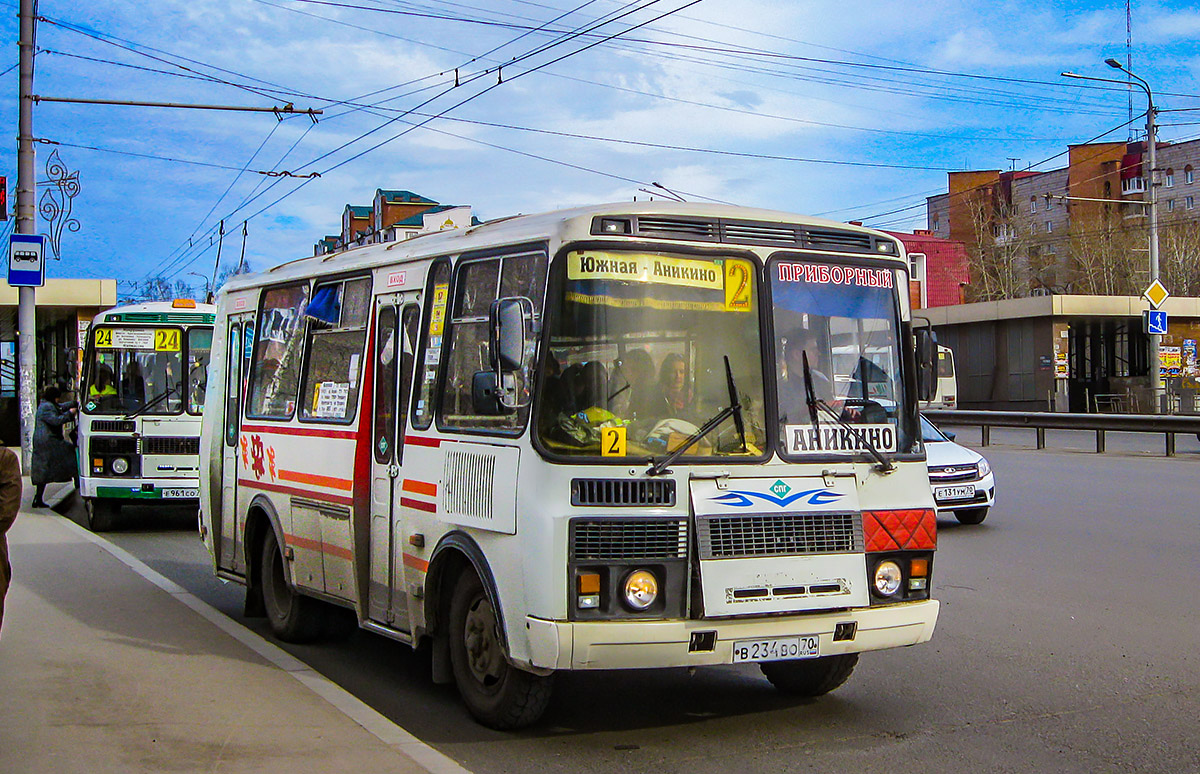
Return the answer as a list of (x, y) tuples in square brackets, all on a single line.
[(101, 514), (496, 693), (292, 616), (971, 515), (810, 677)]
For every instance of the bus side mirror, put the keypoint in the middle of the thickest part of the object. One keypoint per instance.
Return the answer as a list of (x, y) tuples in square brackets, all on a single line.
[(926, 341), (509, 320)]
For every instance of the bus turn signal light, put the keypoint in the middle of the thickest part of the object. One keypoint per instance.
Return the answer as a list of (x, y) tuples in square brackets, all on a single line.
[(589, 590), (919, 568)]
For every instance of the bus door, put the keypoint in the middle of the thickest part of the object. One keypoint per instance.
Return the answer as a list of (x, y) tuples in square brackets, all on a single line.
[(395, 343), (237, 356)]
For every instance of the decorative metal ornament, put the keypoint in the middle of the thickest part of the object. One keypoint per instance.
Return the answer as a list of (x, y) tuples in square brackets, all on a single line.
[(55, 204)]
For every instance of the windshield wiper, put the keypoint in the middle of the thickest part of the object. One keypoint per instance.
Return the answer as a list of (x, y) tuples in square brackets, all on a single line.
[(883, 464), (157, 399), (734, 409)]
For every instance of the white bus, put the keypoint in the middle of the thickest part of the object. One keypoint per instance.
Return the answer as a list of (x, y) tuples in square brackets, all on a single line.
[(141, 398), (604, 438), (946, 394)]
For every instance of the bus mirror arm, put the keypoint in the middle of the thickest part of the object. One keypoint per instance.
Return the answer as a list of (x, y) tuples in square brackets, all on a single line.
[(926, 346)]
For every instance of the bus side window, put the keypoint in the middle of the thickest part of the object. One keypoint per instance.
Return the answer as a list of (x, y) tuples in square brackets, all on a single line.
[(410, 323), (275, 368), (233, 380), (478, 284), (337, 328), (436, 298)]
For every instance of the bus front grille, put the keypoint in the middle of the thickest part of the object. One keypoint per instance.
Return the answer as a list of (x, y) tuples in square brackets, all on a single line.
[(101, 445), (113, 426), (162, 445), (603, 540), (622, 492), (791, 534)]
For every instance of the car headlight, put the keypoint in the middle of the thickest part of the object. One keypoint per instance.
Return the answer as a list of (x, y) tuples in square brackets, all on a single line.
[(641, 589), (120, 465), (887, 578), (984, 467)]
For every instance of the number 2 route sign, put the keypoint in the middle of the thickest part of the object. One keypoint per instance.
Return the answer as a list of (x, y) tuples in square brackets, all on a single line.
[(26, 260)]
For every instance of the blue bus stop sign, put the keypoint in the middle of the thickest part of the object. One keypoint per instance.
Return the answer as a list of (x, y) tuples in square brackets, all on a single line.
[(26, 260)]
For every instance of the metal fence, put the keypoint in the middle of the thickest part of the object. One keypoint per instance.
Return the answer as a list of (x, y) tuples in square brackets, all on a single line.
[(1041, 421)]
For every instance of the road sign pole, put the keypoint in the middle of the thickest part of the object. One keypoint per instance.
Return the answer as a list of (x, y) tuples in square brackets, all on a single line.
[(25, 224)]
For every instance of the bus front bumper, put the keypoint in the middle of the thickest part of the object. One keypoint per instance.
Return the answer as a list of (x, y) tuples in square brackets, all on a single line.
[(158, 489), (648, 644)]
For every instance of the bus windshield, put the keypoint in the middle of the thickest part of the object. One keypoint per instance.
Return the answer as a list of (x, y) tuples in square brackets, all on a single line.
[(135, 369), (842, 321), (637, 349)]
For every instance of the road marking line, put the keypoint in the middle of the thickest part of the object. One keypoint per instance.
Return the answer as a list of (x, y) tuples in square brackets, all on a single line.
[(345, 702)]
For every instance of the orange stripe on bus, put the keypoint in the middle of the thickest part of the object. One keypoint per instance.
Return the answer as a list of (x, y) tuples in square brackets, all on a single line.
[(316, 545), (312, 478), (416, 563), (420, 487)]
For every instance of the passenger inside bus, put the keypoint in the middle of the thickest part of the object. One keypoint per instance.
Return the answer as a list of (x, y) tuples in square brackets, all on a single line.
[(133, 387), (793, 399), (102, 390)]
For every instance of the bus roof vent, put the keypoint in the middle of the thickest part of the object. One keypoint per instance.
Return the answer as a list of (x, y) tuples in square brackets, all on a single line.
[(747, 232), (701, 229), (620, 492), (840, 240)]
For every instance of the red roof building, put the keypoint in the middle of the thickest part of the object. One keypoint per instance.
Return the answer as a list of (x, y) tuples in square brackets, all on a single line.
[(939, 268)]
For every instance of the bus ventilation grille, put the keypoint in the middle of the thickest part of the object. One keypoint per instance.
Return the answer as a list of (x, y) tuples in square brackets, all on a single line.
[(101, 444), (750, 232), (622, 492), (792, 534), (157, 445), (595, 540), (113, 426)]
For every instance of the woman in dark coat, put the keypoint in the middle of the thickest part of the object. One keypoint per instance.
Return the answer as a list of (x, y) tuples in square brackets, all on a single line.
[(53, 456)]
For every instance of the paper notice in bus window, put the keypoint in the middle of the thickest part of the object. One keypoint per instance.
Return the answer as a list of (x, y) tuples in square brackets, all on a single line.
[(125, 338), (437, 319), (354, 370), (832, 438), (332, 398)]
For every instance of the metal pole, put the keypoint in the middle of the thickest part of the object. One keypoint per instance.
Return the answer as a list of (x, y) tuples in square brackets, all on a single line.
[(1151, 140), (25, 224)]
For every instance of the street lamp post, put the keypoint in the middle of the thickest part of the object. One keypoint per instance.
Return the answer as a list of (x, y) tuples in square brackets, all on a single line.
[(1152, 205)]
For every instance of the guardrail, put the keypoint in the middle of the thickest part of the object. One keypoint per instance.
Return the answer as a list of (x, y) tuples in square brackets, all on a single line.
[(1041, 421)]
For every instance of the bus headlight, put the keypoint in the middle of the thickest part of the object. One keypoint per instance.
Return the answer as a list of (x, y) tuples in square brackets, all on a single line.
[(641, 589), (887, 578), (120, 465)]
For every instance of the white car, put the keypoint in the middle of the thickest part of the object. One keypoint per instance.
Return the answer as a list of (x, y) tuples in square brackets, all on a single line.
[(962, 480)]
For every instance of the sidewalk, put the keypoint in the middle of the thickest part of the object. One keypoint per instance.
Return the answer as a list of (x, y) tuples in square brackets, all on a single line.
[(103, 669)]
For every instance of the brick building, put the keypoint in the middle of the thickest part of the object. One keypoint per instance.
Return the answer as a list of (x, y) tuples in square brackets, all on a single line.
[(392, 215)]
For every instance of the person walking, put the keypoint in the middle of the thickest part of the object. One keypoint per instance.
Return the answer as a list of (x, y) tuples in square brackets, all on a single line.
[(53, 455), (10, 503)]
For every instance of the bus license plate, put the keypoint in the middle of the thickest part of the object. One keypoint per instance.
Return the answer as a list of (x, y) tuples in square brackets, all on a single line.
[(964, 492), (776, 648), (179, 494)]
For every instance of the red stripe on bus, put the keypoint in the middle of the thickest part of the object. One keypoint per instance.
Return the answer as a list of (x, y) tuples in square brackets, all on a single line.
[(319, 432), (420, 505), (417, 440), (420, 487), (316, 545), (312, 478), (416, 563), (322, 496)]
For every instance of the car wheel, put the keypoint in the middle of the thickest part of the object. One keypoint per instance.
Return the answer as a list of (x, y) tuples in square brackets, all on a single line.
[(292, 616), (101, 514), (496, 693), (810, 677), (971, 515)]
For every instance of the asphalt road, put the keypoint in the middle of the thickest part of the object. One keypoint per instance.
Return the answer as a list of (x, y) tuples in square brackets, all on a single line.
[(1067, 642)]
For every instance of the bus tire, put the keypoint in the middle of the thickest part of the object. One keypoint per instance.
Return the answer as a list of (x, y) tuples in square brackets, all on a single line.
[(971, 515), (292, 616), (101, 514), (810, 677), (496, 693)]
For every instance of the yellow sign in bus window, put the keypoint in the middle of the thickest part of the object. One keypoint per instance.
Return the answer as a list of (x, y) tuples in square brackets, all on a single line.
[(166, 340), (612, 441)]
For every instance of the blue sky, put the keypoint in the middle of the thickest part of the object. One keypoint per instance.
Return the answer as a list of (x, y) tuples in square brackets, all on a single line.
[(851, 110)]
